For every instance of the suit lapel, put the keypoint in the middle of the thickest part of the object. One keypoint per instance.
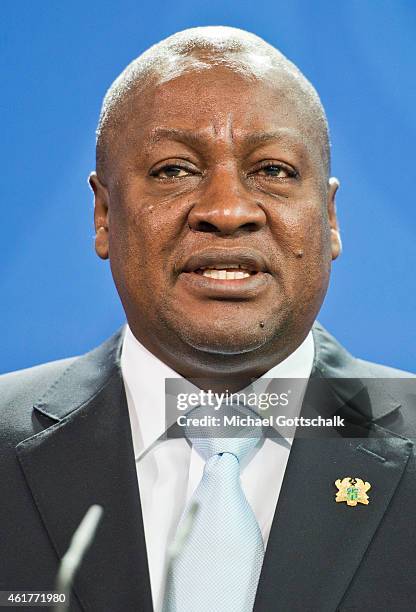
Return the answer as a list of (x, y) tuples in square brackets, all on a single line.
[(86, 458), (315, 544)]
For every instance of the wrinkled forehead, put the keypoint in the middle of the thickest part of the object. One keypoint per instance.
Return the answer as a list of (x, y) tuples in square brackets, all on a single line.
[(210, 97), (223, 82)]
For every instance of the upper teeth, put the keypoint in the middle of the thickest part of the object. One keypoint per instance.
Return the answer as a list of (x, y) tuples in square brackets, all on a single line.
[(225, 274), (222, 267)]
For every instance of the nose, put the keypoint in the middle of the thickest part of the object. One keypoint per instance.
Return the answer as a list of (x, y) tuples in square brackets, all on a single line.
[(226, 207)]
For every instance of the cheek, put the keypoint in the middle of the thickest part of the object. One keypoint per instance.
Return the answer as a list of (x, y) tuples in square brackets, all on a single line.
[(147, 219), (301, 230), (141, 239), (302, 238)]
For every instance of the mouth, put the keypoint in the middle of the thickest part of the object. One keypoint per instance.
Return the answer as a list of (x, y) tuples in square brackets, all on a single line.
[(232, 273), (226, 264), (228, 272)]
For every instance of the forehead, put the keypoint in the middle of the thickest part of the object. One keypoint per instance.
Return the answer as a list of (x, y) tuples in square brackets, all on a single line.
[(210, 98)]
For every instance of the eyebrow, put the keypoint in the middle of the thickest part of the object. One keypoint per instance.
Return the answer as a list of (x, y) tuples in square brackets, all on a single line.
[(260, 137), (187, 136), (194, 138)]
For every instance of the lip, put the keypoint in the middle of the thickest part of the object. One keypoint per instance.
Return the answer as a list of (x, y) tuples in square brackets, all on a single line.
[(249, 259), (236, 289)]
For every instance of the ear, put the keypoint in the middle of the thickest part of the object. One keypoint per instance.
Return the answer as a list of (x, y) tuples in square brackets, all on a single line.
[(101, 219), (336, 245)]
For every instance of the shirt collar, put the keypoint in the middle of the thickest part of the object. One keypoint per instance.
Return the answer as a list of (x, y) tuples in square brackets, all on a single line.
[(144, 380)]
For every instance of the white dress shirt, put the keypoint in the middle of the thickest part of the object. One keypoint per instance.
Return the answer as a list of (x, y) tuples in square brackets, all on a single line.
[(169, 470)]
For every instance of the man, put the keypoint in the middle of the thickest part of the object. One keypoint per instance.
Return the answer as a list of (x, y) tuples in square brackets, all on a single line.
[(215, 207)]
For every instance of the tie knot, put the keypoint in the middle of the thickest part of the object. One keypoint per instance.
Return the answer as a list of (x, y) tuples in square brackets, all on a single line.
[(231, 429)]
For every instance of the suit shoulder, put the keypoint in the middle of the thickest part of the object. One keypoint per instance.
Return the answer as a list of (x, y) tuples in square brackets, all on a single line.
[(333, 360), (60, 385), (391, 392), (24, 387)]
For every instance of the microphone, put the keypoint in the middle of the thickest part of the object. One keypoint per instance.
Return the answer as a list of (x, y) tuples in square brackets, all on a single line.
[(83, 538), (70, 562)]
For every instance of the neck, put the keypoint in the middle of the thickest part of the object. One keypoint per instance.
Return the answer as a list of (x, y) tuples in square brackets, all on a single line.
[(220, 372)]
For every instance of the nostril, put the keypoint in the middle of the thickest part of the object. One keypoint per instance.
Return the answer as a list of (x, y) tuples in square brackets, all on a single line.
[(250, 227), (204, 226)]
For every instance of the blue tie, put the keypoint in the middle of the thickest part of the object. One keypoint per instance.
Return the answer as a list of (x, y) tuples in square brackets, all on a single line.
[(219, 566)]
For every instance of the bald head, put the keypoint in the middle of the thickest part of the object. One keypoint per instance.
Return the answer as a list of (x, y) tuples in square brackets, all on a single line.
[(201, 49)]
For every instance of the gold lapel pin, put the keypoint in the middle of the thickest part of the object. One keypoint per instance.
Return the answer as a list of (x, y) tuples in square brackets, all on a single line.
[(352, 491)]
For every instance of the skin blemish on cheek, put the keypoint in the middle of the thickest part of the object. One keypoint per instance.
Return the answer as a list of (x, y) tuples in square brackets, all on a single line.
[(299, 253), (150, 208), (261, 323)]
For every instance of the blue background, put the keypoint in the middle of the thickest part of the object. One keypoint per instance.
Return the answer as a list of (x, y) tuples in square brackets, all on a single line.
[(57, 60)]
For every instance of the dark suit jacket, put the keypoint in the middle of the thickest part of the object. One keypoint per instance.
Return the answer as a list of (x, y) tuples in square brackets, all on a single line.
[(66, 444)]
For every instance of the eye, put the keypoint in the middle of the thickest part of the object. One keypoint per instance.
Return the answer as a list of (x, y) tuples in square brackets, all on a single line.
[(275, 170), (171, 171)]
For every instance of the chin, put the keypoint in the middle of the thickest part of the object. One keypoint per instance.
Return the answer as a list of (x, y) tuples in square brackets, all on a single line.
[(224, 342)]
